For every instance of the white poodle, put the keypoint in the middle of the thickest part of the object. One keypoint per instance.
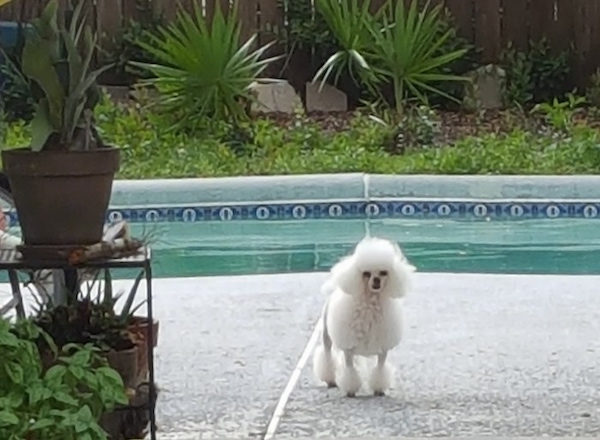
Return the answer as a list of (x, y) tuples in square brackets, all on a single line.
[(363, 315)]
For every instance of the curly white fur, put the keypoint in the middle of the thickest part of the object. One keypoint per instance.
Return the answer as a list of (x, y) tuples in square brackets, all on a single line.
[(363, 315)]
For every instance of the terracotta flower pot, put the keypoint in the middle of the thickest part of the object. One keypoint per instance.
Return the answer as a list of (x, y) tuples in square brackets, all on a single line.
[(139, 328), (61, 197), (125, 362)]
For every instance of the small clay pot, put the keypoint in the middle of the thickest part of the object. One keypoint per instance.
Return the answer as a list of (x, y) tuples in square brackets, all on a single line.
[(125, 362), (139, 327)]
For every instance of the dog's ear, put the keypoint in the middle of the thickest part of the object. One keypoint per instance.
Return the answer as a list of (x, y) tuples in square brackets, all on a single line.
[(400, 280), (348, 277)]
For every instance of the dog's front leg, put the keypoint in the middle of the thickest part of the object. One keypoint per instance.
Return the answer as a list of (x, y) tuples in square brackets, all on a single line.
[(350, 382), (382, 375)]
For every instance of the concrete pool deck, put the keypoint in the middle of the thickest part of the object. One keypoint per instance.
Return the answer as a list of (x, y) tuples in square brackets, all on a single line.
[(484, 355)]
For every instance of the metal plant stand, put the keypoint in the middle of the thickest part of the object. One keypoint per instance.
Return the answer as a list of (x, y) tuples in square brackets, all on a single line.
[(12, 262)]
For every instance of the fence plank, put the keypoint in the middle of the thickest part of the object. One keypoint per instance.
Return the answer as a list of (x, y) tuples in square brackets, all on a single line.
[(586, 38), (108, 21), (562, 33), (487, 29), (271, 20), (541, 19), (581, 42), (514, 25), (130, 11), (462, 12), (247, 11)]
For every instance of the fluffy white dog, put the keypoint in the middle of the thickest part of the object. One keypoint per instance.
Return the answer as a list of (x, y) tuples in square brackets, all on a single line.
[(363, 315)]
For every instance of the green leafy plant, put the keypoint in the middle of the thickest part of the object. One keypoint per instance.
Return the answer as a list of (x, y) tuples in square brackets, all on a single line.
[(536, 75), (125, 47), (560, 114), (354, 143), (64, 402), (417, 126), (204, 70), (400, 45), (15, 87), (89, 316), (592, 92), (58, 59), (3, 125), (304, 31), (108, 296)]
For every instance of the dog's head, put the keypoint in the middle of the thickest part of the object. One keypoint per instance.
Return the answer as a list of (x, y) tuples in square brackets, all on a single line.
[(377, 267)]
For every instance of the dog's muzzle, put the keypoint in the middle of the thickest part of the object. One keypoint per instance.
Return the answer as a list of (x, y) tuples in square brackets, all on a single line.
[(376, 283)]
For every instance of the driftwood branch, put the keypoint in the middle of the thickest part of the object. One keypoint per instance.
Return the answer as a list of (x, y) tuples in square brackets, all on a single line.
[(116, 243)]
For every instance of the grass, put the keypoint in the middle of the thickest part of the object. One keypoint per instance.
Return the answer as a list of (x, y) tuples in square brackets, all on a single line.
[(150, 149)]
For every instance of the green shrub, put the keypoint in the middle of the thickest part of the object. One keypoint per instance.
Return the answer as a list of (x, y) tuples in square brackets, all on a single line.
[(536, 75), (519, 152), (127, 49), (15, 88), (305, 31), (150, 149), (559, 115), (592, 93)]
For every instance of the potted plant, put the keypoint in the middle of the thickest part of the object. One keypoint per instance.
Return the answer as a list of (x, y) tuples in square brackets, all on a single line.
[(62, 182), (88, 318), (58, 402), (137, 326)]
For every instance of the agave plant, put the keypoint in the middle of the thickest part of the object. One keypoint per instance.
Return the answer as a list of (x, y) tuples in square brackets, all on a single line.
[(204, 70), (58, 60), (399, 45)]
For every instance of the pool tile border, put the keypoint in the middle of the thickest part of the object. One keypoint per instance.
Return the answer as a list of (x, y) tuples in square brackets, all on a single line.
[(358, 209)]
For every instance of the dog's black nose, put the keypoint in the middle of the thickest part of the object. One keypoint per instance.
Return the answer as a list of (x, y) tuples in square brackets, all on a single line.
[(376, 282)]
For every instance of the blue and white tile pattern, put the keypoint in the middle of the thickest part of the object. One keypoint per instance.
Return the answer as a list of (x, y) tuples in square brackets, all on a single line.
[(359, 209)]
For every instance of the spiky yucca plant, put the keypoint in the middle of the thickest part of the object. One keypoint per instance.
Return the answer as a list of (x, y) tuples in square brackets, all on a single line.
[(204, 69)]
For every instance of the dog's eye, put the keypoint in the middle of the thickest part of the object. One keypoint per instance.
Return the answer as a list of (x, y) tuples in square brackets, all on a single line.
[(367, 274), (383, 273)]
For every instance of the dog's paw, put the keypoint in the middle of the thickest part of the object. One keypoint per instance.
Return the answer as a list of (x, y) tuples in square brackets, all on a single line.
[(381, 379), (324, 366), (349, 381)]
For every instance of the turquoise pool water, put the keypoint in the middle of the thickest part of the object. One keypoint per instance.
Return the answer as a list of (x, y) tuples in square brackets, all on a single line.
[(232, 248)]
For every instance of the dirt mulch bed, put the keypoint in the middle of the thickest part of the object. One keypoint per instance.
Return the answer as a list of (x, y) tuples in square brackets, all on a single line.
[(453, 125)]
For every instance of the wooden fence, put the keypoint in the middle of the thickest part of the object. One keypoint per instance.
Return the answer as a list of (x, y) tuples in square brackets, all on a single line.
[(489, 24)]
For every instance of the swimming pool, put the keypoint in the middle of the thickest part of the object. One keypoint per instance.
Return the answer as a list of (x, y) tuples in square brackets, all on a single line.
[(557, 246), (286, 224)]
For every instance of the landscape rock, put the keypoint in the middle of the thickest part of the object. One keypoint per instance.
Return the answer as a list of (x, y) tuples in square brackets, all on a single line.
[(118, 93), (328, 99), (486, 88), (277, 97)]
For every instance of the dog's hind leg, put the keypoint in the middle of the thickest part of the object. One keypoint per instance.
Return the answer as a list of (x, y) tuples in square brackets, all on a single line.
[(350, 381), (323, 361), (382, 376)]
